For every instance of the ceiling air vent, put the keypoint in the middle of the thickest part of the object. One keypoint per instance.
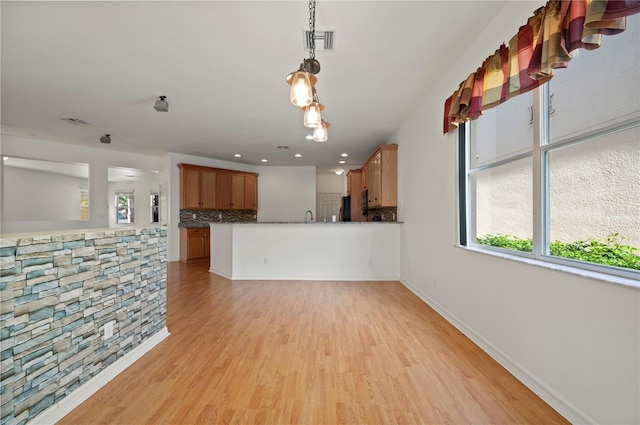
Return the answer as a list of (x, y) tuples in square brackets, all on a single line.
[(324, 39), (75, 121)]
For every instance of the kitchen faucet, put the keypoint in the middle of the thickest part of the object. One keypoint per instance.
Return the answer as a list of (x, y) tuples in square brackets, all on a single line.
[(305, 215)]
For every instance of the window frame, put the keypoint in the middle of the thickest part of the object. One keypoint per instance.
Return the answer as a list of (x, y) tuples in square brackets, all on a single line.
[(131, 196), (154, 207), (540, 254)]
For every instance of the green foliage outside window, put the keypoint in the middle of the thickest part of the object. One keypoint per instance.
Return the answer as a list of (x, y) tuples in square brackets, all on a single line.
[(607, 251)]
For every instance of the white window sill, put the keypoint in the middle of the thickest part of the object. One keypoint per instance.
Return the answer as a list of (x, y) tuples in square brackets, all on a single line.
[(604, 277)]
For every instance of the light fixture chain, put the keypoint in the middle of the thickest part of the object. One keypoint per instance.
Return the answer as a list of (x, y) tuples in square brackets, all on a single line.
[(312, 28)]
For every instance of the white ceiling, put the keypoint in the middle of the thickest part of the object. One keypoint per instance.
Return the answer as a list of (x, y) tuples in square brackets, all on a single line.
[(222, 66)]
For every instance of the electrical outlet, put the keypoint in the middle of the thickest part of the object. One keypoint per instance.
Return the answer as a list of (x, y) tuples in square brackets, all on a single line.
[(108, 330), (194, 216), (219, 216)]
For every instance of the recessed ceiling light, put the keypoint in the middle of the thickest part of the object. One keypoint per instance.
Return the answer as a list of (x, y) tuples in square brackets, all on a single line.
[(309, 137), (344, 154), (298, 155), (264, 160), (237, 155), (341, 162), (338, 172), (4, 158)]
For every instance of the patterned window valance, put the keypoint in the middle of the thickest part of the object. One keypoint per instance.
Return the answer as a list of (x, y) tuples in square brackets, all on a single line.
[(541, 45)]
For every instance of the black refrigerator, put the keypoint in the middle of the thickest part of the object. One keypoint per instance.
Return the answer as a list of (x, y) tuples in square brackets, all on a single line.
[(345, 209)]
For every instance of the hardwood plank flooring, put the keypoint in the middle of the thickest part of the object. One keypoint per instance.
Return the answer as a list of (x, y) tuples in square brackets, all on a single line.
[(308, 352)]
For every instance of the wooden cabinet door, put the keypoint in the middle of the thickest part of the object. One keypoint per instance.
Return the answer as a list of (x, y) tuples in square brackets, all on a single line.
[(389, 178), (373, 181), (206, 242), (189, 188), (208, 189), (250, 192), (223, 191), (376, 183), (237, 191), (354, 185), (195, 245), (354, 190)]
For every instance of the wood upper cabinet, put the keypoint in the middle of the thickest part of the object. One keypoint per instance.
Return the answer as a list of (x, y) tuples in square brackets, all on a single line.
[(223, 191), (382, 177), (208, 188), (197, 187), (250, 192), (236, 191), (354, 189), (354, 183)]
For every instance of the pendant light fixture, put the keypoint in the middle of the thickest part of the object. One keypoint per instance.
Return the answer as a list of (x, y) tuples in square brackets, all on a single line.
[(321, 134), (303, 92), (301, 83), (312, 112)]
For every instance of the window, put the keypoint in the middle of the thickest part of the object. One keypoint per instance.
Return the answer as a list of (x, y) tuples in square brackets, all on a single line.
[(84, 204), (124, 207), (554, 174), (155, 208)]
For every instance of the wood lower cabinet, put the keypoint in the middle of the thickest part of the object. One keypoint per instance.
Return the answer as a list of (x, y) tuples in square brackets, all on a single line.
[(194, 244)]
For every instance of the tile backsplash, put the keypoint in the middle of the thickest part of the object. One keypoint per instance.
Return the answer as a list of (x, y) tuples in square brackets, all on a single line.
[(206, 216), (383, 214)]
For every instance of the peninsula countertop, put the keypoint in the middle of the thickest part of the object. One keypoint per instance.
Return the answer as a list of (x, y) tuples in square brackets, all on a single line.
[(194, 224)]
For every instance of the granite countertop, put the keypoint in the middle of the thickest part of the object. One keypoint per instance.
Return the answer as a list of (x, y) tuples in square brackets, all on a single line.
[(193, 224)]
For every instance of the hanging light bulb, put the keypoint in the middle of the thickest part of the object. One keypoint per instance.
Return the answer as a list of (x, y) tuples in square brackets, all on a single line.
[(312, 113), (301, 83), (320, 134)]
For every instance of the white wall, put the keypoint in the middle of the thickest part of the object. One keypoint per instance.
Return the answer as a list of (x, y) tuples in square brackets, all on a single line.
[(99, 160), (285, 193), (38, 195), (331, 183), (574, 340)]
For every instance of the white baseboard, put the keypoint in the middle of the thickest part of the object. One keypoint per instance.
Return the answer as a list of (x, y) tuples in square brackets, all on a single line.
[(319, 278), (557, 402), (220, 273), (59, 410)]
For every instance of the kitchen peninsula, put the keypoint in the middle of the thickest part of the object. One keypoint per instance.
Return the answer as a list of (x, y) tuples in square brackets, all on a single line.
[(305, 251)]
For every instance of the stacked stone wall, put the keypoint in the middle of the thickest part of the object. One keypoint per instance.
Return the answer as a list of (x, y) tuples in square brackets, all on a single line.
[(56, 295)]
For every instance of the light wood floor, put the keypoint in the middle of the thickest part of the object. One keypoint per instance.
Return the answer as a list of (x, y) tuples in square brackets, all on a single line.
[(301, 352)]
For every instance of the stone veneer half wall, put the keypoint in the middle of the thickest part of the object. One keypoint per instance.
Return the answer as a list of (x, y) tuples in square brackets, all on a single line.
[(57, 292)]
